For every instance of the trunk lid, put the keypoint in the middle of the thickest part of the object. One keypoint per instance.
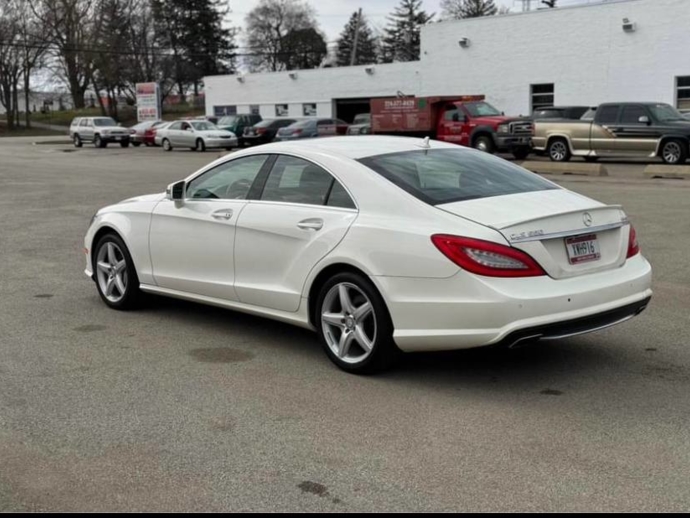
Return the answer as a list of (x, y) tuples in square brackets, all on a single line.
[(542, 224)]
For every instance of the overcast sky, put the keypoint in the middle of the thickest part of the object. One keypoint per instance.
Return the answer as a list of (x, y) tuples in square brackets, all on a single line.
[(334, 14)]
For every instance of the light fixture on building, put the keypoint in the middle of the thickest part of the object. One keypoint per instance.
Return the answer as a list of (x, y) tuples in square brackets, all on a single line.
[(464, 42), (293, 75), (240, 79), (629, 26), (369, 70)]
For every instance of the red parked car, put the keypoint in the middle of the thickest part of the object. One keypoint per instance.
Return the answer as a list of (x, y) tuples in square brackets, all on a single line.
[(149, 138)]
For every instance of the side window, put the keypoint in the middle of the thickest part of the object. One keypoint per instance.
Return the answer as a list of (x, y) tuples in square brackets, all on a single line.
[(229, 181), (607, 114), (450, 112), (632, 114), (83, 123), (295, 180), (339, 197), (175, 126)]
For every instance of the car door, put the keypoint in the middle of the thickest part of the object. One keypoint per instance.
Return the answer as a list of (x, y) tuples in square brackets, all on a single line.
[(86, 129), (191, 243), (451, 125), (302, 214), (602, 138), (185, 135), (172, 133), (636, 136)]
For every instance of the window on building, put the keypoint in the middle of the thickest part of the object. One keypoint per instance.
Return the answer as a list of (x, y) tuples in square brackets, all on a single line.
[(542, 96), (683, 93)]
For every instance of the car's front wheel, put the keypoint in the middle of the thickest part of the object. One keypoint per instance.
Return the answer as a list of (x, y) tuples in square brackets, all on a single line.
[(354, 324), (200, 146), (77, 141), (115, 275), (98, 142)]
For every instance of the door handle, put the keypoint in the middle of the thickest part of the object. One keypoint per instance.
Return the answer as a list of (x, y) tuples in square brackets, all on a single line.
[(222, 214), (311, 224)]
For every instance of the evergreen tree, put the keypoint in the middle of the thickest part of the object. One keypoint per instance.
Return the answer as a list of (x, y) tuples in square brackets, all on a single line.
[(199, 44), (401, 37), (468, 8), (366, 43)]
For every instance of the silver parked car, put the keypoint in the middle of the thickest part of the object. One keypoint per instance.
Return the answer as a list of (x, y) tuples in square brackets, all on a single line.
[(196, 135), (99, 130)]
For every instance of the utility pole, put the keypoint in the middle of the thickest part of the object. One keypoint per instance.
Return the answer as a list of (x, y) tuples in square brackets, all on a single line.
[(353, 54)]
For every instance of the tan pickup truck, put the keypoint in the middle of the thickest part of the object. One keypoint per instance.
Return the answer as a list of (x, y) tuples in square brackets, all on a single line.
[(618, 130)]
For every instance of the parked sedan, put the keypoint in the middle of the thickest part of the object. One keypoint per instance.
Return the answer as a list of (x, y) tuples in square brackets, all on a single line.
[(379, 244), (265, 131), (311, 128), (197, 136)]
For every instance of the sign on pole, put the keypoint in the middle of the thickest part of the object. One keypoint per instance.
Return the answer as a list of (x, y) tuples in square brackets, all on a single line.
[(148, 102)]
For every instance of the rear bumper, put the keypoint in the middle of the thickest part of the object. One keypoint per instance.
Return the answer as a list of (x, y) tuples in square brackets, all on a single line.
[(466, 311), (220, 142)]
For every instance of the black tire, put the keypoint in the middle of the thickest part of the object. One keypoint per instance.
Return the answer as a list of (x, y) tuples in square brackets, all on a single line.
[(674, 152), (558, 150), (200, 146), (124, 144), (591, 159), (136, 144), (77, 141), (521, 153), (384, 351), (484, 143), (166, 145), (133, 296), (99, 143)]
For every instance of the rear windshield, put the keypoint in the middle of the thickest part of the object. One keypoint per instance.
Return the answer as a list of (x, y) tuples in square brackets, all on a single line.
[(303, 124), (440, 176)]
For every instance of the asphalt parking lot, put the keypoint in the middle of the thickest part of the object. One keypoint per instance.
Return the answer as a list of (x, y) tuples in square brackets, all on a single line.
[(182, 407)]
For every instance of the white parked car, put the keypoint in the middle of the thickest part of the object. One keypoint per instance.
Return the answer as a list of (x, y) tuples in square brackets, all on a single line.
[(378, 244), (197, 135)]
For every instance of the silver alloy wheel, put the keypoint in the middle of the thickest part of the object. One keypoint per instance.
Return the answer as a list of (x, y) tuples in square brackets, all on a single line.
[(200, 146), (166, 145), (558, 151), (348, 322), (672, 152), (77, 141), (111, 271)]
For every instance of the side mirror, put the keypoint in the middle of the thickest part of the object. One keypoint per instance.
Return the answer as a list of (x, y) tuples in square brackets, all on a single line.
[(175, 191), (644, 120)]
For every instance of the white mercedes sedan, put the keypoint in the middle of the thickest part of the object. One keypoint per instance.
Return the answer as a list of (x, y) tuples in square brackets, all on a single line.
[(379, 244)]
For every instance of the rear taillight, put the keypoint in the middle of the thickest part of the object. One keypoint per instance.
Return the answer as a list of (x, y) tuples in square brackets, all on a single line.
[(260, 131), (487, 258), (633, 245), (296, 131)]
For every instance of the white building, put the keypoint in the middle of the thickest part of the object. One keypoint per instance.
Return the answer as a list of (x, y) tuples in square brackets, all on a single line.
[(616, 50)]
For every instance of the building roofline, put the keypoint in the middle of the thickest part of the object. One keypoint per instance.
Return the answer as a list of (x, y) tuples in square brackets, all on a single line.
[(590, 4)]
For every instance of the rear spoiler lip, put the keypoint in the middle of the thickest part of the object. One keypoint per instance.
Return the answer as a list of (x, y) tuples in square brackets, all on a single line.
[(593, 209)]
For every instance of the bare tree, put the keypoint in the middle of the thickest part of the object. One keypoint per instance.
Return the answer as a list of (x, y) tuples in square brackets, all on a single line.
[(268, 26), (468, 8), (10, 61), (32, 50), (69, 26)]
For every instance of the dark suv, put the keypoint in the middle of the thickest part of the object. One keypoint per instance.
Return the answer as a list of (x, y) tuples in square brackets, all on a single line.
[(237, 123)]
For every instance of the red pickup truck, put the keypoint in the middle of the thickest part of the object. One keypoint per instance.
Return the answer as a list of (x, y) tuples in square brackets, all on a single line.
[(466, 120)]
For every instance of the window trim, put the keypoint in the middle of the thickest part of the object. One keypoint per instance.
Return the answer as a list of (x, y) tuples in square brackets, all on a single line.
[(275, 157), (678, 88), (532, 94), (212, 167)]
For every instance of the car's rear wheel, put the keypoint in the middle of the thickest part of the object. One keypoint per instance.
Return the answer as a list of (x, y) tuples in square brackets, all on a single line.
[(559, 151), (200, 146), (166, 145), (115, 275), (674, 152), (354, 324), (77, 141), (124, 144)]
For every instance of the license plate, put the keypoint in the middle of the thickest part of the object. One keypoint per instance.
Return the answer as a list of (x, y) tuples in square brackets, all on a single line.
[(118, 138), (582, 249)]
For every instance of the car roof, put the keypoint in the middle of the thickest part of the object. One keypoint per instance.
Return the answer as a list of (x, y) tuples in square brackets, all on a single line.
[(356, 147)]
